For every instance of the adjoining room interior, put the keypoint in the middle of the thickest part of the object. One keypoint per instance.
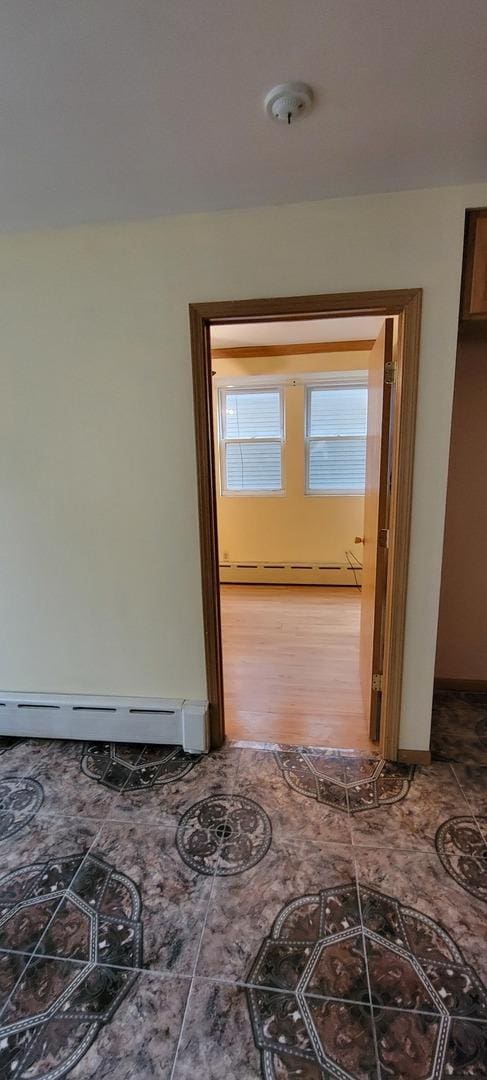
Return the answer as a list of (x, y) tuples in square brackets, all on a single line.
[(290, 415)]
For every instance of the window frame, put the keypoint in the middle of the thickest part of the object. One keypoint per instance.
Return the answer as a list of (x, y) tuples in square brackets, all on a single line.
[(247, 387), (356, 380)]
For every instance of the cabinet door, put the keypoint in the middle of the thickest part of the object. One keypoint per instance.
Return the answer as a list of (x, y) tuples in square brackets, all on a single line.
[(474, 290)]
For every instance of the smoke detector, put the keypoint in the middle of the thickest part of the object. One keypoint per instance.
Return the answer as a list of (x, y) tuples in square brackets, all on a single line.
[(289, 102)]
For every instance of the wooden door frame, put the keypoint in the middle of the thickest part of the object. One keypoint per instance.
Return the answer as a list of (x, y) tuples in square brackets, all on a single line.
[(404, 303)]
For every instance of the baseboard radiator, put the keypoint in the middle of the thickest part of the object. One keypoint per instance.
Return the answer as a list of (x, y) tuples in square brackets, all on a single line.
[(111, 719), (297, 573)]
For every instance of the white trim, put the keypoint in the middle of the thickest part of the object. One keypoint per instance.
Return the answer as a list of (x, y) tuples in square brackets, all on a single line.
[(271, 382), (336, 379), (353, 493), (112, 719), (268, 493), (196, 727)]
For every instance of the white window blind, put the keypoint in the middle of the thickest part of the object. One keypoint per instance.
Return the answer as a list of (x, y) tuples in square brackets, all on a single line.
[(251, 436), (336, 425)]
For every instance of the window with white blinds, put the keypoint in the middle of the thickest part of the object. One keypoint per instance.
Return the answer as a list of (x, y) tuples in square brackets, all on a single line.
[(336, 425), (251, 438)]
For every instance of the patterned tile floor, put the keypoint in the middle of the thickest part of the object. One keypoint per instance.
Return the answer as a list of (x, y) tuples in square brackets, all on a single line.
[(288, 915), (459, 727)]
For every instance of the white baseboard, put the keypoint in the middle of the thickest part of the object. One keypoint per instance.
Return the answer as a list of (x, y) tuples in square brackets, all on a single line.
[(111, 719)]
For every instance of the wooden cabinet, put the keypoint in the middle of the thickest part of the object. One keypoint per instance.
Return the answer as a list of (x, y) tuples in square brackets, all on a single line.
[(474, 280)]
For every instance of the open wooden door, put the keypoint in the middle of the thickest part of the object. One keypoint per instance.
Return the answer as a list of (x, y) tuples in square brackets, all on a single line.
[(376, 512)]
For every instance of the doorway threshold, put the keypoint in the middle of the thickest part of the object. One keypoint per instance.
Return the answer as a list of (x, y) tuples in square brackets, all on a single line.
[(279, 747)]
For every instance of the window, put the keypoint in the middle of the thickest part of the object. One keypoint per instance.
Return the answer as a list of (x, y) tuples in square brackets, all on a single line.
[(251, 438), (336, 424)]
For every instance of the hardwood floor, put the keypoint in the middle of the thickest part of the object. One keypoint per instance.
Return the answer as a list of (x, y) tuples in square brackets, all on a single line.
[(291, 665)]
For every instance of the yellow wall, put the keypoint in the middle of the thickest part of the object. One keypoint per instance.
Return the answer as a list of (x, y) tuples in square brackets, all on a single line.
[(293, 527), (100, 585)]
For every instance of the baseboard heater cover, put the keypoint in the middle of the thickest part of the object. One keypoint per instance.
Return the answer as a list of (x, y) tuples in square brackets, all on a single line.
[(90, 717), (318, 573)]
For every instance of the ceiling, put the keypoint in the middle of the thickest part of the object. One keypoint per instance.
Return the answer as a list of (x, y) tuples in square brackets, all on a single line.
[(115, 109), (296, 332)]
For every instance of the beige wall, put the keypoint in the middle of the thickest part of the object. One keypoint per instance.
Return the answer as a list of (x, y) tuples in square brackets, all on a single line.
[(100, 590), (293, 527), (462, 628)]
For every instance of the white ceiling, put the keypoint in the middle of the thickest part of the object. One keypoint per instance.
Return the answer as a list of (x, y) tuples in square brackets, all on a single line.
[(355, 328), (115, 109)]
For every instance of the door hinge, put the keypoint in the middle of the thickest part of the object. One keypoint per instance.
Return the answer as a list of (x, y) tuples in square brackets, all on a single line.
[(390, 373), (384, 538), (377, 682)]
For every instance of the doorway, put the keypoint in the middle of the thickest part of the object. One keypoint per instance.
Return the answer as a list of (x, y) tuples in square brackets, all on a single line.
[(290, 421), (233, 456)]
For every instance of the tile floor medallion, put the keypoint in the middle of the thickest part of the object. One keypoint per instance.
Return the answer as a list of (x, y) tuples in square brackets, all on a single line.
[(463, 853), (56, 1007), (309, 998), (314, 954), (345, 781), (224, 835), (406, 1044), (20, 799), (129, 767), (80, 898)]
